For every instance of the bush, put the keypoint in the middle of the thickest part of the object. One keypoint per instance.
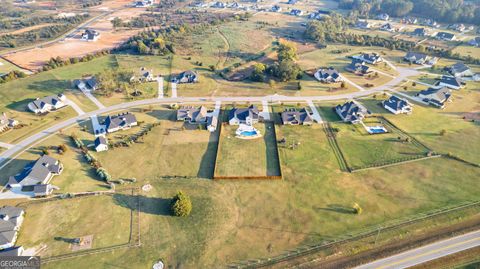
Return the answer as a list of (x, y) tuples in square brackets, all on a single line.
[(357, 209), (181, 205)]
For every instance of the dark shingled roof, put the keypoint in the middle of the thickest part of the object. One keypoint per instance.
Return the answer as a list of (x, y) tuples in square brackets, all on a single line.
[(396, 103), (243, 113), (37, 172), (351, 111)]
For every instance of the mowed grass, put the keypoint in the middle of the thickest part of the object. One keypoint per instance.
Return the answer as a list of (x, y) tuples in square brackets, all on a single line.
[(427, 123), (167, 150), (15, 95), (77, 176), (241, 157), (362, 149), (6, 67), (240, 220), (51, 224)]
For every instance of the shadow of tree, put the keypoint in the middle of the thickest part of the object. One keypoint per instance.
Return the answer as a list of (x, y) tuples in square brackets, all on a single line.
[(49, 85), (338, 209), (149, 205)]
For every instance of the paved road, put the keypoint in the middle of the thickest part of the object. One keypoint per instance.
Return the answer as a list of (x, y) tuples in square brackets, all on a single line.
[(426, 253), (13, 152)]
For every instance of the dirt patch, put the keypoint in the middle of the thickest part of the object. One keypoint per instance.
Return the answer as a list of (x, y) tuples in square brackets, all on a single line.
[(26, 29), (472, 116), (74, 47)]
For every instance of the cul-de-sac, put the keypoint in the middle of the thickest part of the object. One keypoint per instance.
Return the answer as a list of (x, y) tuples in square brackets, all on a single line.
[(253, 134)]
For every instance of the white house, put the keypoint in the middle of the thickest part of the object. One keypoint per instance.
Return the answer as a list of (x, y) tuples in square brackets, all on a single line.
[(90, 35), (11, 218), (101, 144), (397, 105), (47, 104), (450, 82)]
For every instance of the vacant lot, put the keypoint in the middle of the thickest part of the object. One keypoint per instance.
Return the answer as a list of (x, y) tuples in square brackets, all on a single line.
[(247, 157), (52, 225)]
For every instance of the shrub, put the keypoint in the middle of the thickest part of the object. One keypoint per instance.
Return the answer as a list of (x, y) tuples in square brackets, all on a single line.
[(181, 205), (443, 132), (357, 209)]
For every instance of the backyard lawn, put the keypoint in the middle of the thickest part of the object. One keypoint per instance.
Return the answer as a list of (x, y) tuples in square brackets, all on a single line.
[(52, 224)]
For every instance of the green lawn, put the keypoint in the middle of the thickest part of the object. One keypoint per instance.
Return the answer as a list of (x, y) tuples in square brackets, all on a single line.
[(52, 224)]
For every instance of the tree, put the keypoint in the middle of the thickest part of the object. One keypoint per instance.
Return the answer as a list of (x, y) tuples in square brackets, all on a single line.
[(181, 205), (287, 51), (117, 22), (443, 132), (258, 73), (286, 70)]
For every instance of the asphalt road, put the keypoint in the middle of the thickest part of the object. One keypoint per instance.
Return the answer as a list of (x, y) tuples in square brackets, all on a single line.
[(426, 253)]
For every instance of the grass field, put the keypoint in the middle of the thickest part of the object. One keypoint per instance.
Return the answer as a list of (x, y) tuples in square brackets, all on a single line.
[(6, 67), (246, 157), (52, 224)]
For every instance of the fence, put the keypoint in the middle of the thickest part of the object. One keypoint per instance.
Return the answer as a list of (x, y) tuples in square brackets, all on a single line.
[(134, 233), (361, 234)]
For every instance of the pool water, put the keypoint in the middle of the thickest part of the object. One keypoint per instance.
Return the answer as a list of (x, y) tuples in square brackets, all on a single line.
[(377, 130), (248, 133)]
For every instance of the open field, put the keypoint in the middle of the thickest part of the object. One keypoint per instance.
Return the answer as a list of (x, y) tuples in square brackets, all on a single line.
[(52, 224), (426, 124), (6, 67), (56, 81), (247, 157)]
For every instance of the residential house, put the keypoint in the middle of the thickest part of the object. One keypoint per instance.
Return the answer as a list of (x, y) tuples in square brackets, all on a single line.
[(420, 32), (383, 17), (296, 117), (296, 12), (143, 3), (475, 42), (409, 20), (249, 116), (6, 122), (446, 36), (328, 75), (186, 77), (47, 104), (143, 75), (420, 58), (459, 70), (351, 111), (371, 58), (363, 24), (121, 121), (388, 27), (234, 5), (212, 122), (40, 171), (11, 252), (315, 16), (90, 35), (276, 8), (192, 114), (43, 190), (219, 5), (11, 219), (450, 82), (397, 105), (292, 2), (460, 27), (358, 67), (88, 84), (101, 144), (436, 96)]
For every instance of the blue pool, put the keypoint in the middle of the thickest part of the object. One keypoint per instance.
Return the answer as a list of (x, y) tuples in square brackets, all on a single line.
[(248, 133), (379, 130)]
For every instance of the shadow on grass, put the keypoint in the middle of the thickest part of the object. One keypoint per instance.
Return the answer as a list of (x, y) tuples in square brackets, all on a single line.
[(51, 86), (273, 161), (163, 114), (207, 164), (149, 205), (11, 169), (338, 209), (20, 106)]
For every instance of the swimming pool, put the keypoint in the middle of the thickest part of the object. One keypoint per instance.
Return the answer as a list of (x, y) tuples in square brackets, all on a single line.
[(248, 133), (377, 130)]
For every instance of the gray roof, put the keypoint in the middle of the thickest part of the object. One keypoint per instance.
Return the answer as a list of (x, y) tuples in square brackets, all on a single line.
[(458, 68), (445, 35), (357, 66), (37, 172), (51, 100), (120, 120), (188, 76), (371, 57), (15, 251), (453, 81), (243, 113), (437, 95), (192, 114), (91, 82), (294, 116), (330, 72), (420, 31), (9, 223), (396, 103), (351, 111), (416, 56), (91, 34), (101, 140)]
